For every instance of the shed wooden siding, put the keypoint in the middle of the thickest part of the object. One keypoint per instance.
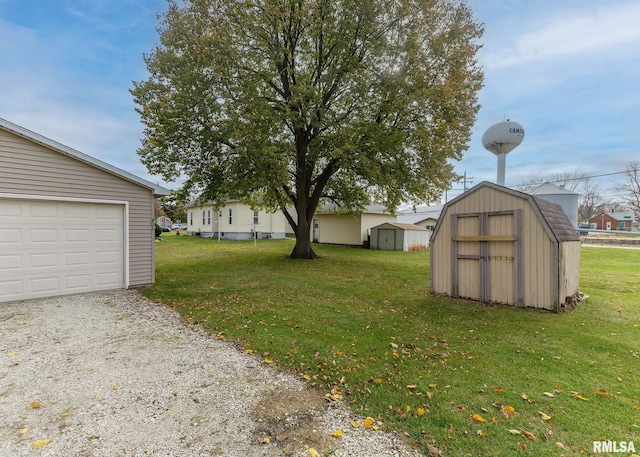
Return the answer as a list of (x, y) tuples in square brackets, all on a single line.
[(29, 168), (539, 250)]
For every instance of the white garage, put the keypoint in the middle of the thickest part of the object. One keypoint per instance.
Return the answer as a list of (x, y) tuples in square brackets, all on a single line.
[(54, 247), (70, 223)]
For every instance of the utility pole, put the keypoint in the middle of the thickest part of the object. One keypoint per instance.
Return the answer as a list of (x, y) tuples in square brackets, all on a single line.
[(465, 179)]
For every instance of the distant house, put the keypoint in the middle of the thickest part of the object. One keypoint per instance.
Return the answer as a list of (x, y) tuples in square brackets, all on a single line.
[(234, 221), (613, 221), (423, 216), (164, 222), (332, 226)]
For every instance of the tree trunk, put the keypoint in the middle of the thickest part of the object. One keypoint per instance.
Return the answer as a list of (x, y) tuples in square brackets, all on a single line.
[(302, 249)]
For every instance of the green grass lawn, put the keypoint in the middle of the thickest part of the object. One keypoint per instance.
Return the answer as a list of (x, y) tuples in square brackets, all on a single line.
[(363, 323)]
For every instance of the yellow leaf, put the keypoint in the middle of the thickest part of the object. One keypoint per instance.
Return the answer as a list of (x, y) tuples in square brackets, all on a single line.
[(407, 408), (375, 427), (266, 360), (432, 385), (355, 424), (34, 405), (411, 386), (604, 393), (498, 389), (513, 431), (582, 398), (12, 354), (420, 411), (313, 452), (478, 418), (378, 380), (528, 435), (41, 443), (265, 440), (337, 433), (548, 394), (560, 445), (368, 422), (114, 387), (544, 416), (481, 433), (22, 431), (307, 377), (249, 351), (508, 411)]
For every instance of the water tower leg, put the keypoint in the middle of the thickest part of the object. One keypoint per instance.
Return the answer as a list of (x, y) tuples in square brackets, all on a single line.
[(502, 160)]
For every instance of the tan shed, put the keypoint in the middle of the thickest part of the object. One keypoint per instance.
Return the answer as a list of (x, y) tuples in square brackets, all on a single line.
[(70, 223), (498, 245)]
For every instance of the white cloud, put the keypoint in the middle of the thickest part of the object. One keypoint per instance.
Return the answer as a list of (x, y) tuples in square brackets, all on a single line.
[(571, 34)]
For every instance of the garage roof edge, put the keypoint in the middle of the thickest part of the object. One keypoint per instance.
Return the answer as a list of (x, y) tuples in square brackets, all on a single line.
[(158, 191)]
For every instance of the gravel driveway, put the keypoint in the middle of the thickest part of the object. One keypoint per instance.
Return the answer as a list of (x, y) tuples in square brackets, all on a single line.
[(113, 374)]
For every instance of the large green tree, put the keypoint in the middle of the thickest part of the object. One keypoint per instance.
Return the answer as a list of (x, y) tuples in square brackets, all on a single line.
[(289, 103)]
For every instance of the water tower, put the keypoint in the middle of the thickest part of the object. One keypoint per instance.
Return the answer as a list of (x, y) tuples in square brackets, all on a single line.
[(501, 139)]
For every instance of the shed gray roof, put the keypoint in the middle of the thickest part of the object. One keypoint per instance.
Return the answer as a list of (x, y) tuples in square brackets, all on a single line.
[(66, 150), (402, 226)]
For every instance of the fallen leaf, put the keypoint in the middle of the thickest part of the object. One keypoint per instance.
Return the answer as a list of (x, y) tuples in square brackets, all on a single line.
[(508, 411), (22, 431), (548, 394), (478, 417), (114, 387), (522, 446), (41, 443), (481, 433), (411, 386), (282, 437), (433, 451), (604, 393), (12, 354), (368, 422), (35, 405), (393, 345), (337, 433), (265, 440), (544, 416), (513, 431), (355, 424), (266, 360), (560, 445), (498, 389), (249, 351), (378, 380), (432, 385), (419, 411), (307, 377), (313, 452), (528, 435)]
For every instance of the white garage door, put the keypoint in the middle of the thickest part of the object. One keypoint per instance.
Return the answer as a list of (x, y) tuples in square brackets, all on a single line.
[(59, 247)]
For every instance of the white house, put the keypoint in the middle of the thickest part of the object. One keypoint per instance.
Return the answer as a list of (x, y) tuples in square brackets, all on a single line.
[(234, 221)]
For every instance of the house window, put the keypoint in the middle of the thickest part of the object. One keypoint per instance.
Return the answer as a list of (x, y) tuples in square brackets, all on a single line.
[(208, 217), (621, 224), (431, 227), (256, 218), (203, 219), (230, 216), (220, 214), (190, 217)]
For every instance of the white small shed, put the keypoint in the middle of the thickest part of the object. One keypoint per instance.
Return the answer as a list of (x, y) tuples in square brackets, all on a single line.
[(498, 245), (394, 236)]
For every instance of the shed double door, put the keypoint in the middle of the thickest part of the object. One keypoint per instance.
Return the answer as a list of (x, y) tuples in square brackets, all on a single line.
[(486, 264)]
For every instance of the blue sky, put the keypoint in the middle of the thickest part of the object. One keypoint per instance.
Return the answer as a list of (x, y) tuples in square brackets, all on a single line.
[(568, 71)]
